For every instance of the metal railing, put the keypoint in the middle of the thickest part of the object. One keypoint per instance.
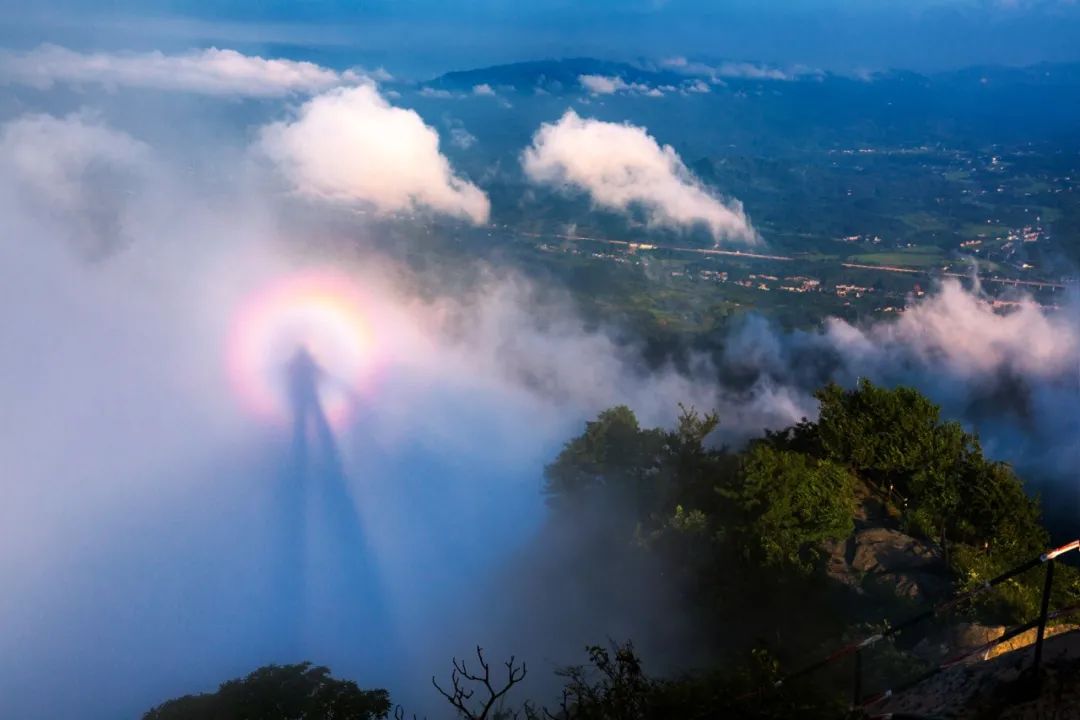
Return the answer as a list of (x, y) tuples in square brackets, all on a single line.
[(861, 702)]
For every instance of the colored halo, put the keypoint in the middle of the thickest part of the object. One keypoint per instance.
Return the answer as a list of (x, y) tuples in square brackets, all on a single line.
[(321, 311)]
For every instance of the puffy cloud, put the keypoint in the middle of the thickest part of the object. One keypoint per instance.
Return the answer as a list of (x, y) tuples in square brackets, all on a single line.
[(611, 84), (211, 72), (483, 89), (77, 171), (960, 332), (602, 84), (622, 165), (351, 145), (1010, 373)]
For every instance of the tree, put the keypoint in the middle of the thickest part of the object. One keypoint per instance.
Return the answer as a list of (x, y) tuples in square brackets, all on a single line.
[(464, 685), (789, 504), (614, 688), (280, 692), (896, 439), (613, 451)]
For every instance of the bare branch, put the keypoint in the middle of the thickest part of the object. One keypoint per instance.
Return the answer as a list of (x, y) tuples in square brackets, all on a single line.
[(459, 696), (399, 713)]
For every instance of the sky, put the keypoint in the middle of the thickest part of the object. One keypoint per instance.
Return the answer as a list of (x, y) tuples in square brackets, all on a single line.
[(421, 38)]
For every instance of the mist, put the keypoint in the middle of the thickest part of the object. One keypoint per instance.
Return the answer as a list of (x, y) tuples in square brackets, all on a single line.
[(1009, 372), (162, 537), (153, 520)]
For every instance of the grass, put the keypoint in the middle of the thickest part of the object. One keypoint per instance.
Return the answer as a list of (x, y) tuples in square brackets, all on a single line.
[(916, 257), (924, 222)]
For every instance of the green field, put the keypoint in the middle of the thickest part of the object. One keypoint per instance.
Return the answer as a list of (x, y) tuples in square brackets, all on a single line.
[(916, 257)]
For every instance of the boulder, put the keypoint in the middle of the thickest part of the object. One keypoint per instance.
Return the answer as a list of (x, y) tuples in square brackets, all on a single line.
[(911, 567)]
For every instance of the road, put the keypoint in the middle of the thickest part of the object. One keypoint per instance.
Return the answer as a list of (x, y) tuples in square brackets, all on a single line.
[(1042, 284)]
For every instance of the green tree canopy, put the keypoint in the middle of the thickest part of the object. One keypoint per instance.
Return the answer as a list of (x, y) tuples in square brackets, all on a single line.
[(789, 503), (280, 692)]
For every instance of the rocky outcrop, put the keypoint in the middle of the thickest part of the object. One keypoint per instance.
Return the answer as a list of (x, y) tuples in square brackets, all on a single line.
[(883, 556)]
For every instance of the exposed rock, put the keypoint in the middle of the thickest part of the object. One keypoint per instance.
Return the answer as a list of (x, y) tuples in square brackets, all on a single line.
[(964, 637), (1001, 687), (1027, 638), (881, 550), (911, 567)]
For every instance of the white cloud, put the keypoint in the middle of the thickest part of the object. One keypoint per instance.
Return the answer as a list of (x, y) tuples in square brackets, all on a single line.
[(960, 332), (430, 92), (483, 89), (82, 174), (611, 84), (751, 71), (461, 138), (743, 70), (698, 86), (210, 72), (622, 165), (351, 145), (379, 74), (602, 84)]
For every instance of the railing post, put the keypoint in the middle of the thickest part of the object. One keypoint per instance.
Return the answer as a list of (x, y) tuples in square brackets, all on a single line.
[(1043, 612)]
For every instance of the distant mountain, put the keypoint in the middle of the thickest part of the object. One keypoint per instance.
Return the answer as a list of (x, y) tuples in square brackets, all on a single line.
[(553, 76), (773, 109), (560, 76)]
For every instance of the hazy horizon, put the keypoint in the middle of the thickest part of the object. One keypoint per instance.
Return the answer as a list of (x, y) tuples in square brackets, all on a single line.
[(424, 39)]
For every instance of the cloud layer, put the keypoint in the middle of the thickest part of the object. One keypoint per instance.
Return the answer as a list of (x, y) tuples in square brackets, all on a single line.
[(959, 332), (351, 145), (210, 72), (621, 166), (76, 168)]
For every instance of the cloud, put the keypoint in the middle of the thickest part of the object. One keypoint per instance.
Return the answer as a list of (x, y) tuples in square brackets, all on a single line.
[(621, 165), (460, 137), (611, 84), (379, 74), (1009, 375), (738, 70), (751, 71), (351, 145), (483, 89), (602, 84), (430, 92), (76, 168), (961, 333), (210, 72)]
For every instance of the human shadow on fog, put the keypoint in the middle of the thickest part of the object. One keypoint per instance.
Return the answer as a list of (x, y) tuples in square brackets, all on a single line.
[(327, 579)]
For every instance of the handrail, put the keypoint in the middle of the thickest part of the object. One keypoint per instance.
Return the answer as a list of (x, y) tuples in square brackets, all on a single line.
[(957, 659), (1046, 558)]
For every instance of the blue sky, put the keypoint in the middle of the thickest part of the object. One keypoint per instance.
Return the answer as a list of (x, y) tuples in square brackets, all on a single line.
[(424, 37)]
